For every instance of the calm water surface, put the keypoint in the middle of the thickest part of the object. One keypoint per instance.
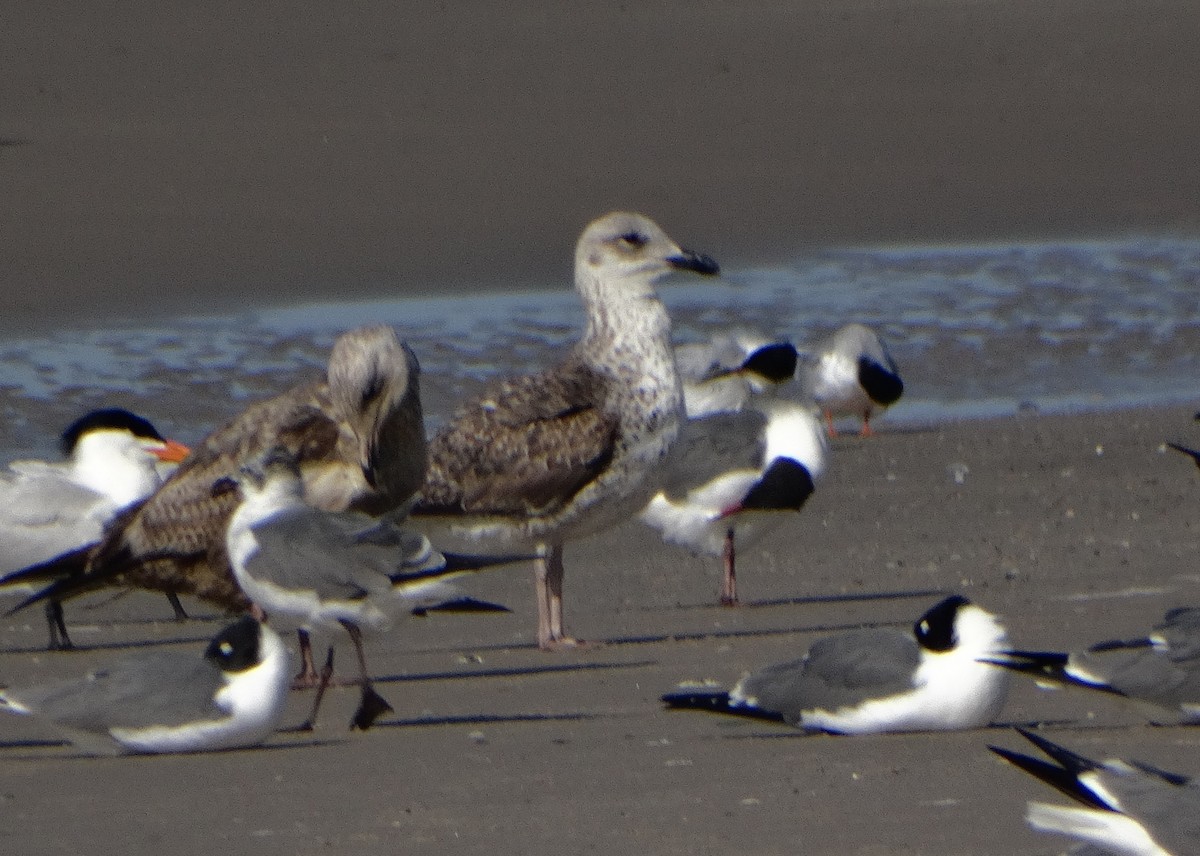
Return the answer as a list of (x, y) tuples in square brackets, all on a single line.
[(979, 330)]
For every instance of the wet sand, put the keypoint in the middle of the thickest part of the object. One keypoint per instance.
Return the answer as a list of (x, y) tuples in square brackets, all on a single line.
[(1075, 528), (166, 157)]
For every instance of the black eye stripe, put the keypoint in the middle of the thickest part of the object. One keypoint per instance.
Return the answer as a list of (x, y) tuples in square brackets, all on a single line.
[(633, 239)]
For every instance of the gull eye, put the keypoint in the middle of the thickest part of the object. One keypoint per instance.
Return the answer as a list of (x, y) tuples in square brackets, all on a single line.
[(632, 240)]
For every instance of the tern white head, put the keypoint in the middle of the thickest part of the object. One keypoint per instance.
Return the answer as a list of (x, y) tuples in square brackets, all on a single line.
[(879, 680), (114, 458), (171, 701)]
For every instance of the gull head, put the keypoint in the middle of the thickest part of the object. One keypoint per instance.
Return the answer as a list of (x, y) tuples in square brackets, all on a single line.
[(374, 384), (629, 252)]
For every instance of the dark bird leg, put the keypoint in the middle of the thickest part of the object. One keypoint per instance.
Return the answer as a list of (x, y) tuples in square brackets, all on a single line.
[(322, 685), (729, 577), (372, 705), (59, 640), (307, 678), (866, 428), (180, 615)]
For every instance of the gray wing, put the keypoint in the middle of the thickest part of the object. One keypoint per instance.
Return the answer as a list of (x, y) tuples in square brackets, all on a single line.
[(45, 515), (338, 555), (840, 671), (156, 688), (1166, 675), (320, 551), (709, 446)]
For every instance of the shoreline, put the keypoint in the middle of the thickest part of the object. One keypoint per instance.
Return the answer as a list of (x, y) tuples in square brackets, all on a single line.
[(166, 156)]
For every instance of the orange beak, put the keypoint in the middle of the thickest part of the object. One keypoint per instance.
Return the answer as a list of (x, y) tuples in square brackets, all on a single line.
[(171, 452)]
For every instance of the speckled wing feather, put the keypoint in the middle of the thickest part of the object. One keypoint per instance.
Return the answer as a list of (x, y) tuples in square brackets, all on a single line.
[(547, 436)]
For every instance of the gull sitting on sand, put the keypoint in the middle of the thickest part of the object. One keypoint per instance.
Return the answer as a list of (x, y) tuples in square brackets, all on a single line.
[(113, 460), (851, 374), (1126, 809), (878, 679), (540, 460), (743, 457), (320, 569), (1160, 671), (171, 701), (359, 438)]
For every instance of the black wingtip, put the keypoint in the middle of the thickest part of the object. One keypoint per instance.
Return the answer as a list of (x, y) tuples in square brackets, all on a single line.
[(715, 701), (1050, 664), (1191, 453), (460, 562), (1063, 775), (776, 362), (462, 605)]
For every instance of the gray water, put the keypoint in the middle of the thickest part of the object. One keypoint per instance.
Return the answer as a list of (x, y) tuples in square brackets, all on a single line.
[(978, 330)]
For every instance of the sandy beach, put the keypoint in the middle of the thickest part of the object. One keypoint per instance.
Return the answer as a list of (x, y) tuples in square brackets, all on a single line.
[(161, 157), (168, 158), (1075, 528)]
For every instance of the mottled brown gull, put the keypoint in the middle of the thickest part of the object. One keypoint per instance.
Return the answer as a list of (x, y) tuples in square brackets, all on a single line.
[(539, 460)]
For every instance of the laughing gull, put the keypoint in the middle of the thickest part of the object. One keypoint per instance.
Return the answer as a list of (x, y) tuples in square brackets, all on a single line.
[(171, 701), (851, 374), (322, 569), (540, 460), (879, 679), (1128, 809), (48, 508), (1161, 669), (358, 435), (737, 469), (729, 370)]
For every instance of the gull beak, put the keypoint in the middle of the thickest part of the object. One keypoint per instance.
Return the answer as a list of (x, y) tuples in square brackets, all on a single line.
[(696, 262)]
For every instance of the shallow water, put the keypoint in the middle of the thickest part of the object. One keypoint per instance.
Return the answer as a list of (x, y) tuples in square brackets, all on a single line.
[(979, 330)]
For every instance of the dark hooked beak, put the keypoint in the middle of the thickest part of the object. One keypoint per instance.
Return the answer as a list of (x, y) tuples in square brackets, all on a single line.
[(697, 262)]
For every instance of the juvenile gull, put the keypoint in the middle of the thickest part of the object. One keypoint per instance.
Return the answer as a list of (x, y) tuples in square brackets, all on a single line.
[(324, 569), (540, 460), (171, 701), (743, 456), (1126, 809), (358, 436), (49, 508), (851, 374), (879, 680), (1160, 670)]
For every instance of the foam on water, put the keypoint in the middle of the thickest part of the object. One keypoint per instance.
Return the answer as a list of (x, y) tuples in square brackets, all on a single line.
[(979, 330)]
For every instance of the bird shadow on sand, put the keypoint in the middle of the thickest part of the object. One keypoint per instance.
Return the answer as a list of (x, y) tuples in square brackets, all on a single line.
[(17, 745), (524, 671), (487, 719), (122, 645), (809, 600)]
